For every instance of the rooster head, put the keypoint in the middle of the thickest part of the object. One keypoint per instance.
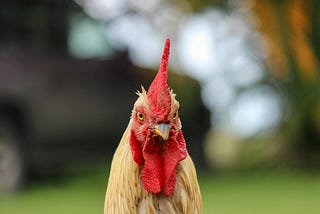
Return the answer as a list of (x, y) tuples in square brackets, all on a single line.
[(156, 139)]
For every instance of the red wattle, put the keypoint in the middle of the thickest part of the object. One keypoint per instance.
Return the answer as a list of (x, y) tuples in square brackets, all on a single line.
[(152, 178), (136, 149), (159, 161), (182, 146), (170, 158)]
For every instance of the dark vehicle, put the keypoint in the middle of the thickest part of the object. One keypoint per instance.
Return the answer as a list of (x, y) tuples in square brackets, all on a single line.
[(56, 109)]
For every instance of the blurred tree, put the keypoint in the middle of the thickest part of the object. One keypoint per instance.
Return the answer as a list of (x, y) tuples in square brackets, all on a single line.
[(198, 5), (291, 28)]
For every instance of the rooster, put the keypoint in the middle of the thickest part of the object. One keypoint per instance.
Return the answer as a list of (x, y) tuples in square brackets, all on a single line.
[(151, 171)]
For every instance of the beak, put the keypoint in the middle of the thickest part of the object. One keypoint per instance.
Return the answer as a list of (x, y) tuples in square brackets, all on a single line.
[(162, 130)]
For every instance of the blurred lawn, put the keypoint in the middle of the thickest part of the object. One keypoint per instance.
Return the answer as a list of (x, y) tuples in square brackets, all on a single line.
[(253, 192)]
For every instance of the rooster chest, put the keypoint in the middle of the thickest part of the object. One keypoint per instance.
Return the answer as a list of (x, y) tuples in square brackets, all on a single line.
[(149, 203), (156, 204)]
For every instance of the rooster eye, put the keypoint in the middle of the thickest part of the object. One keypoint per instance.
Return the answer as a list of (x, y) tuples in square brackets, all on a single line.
[(175, 115), (140, 116)]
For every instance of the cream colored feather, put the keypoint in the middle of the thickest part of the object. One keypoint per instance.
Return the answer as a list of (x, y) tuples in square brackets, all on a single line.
[(125, 193)]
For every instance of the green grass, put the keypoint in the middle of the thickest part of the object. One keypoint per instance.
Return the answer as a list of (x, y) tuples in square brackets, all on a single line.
[(262, 193), (254, 192)]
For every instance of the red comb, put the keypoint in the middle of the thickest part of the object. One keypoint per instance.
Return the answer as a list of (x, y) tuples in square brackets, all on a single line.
[(159, 92)]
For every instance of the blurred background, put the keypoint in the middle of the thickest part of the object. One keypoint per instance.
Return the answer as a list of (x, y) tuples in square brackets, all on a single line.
[(246, 73)]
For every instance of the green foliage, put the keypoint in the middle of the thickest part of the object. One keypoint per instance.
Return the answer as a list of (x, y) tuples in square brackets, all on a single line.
[(302, 89), (199, 5)]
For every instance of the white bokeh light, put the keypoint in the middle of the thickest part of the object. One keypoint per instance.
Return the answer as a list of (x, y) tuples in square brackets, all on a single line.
[(244, 71), (104, 9), (196, 48), (217, 93), (86, 39), (256, 110), (134, 33)]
